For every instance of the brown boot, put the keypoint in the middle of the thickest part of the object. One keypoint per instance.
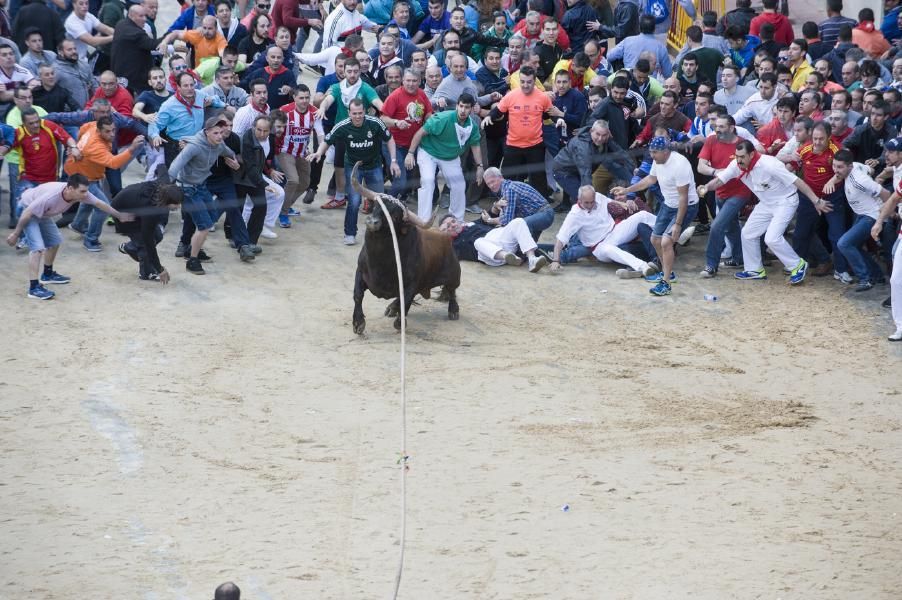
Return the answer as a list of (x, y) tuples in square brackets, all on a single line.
[(822, 269)]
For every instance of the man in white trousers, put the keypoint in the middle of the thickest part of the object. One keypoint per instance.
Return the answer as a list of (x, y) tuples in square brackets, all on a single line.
[(499, 246), (439, 144), (895, 280), (589, 229), (778, 195)]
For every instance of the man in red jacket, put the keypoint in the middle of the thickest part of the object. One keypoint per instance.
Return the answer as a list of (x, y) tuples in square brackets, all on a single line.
[(783, 33), (287, 13)]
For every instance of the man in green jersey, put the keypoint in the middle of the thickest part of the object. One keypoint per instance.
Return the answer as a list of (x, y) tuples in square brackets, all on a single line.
[(362, 137)]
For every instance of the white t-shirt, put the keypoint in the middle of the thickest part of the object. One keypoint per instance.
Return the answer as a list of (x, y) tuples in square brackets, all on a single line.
[(675, 172), (591, 227), (76, 27), (862, 192), (769, 179)]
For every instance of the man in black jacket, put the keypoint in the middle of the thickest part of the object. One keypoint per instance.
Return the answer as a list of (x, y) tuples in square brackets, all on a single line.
[(150, 202), (590, 149), (616, 110), (250, 181), (36, 14), (131, 49)]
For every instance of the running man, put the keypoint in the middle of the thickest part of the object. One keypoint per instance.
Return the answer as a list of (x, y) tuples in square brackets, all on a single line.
[(778, 194)]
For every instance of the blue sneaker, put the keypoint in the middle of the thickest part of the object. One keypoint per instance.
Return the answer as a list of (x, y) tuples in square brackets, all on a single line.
[(760, 274), (659, 276), (661, 289), (293, 212), (797, 275), (93, 246), (54, 277), (284, 221), (40, 293)]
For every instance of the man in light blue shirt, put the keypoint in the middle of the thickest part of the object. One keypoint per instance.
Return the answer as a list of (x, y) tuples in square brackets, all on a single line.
[(629, 49), (182, 114)]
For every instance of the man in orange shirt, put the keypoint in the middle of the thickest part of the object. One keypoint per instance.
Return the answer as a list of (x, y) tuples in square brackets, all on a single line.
[(207, 42), (95, 142), (526, 107), (867, 36)]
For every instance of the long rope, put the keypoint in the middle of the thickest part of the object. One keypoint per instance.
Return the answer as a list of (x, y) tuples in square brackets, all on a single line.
[(402, 461)]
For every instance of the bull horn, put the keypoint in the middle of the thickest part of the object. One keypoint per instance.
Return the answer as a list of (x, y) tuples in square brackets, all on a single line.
[(361, 189)]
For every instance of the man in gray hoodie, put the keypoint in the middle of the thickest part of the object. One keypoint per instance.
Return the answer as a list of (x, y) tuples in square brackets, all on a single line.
[(190, 169)]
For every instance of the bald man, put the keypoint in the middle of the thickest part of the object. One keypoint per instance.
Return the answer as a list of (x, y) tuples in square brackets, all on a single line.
[(227, 591), (207, 42)]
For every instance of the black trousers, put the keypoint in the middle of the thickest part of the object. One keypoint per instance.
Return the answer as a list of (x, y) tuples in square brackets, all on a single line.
[(258, 212), (527, 163)]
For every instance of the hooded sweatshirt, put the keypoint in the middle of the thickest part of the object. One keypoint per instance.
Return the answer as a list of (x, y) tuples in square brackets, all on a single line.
[(192, 165), (783, 32), (584, 156)]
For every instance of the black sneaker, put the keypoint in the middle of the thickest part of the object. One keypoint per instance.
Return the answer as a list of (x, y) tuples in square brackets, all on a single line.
[(256, 249), (309, 196), (863, 285), (703, 228), (192, 265), (246, 253), (888, 303), (152, 276), (203, 256), (730, 263), (125, 248), (183, 251)]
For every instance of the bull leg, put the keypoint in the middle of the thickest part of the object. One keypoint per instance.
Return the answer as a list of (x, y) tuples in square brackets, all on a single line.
[(393, 309), (408, 300), (453, 308), (444, 296), (358, 320)]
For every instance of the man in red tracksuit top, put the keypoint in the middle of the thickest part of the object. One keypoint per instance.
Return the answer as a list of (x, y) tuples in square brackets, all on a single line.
[(37, 140)]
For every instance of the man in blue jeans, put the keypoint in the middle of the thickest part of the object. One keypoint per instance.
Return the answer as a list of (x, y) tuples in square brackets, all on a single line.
[(363, 137), (865, 197), (717, 152), (518, 200), (191, 168)]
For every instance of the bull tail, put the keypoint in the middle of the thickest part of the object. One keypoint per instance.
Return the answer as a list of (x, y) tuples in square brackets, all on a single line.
[(361, 188)]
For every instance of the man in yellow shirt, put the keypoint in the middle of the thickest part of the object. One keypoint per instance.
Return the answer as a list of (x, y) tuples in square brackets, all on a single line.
[(798, 66), (578, 67)]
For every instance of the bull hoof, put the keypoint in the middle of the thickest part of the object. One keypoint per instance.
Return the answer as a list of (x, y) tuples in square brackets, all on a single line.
[(398, 323), (392, 310), (360, 326), (453, 316)]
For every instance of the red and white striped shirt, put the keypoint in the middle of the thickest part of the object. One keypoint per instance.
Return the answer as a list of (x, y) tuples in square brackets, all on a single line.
[(297, 132)]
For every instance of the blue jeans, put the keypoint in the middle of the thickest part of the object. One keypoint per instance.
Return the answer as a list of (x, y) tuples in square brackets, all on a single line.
[(198, 205), (666, 219), (806, 228), (725, 225), (569, 182), (572, 252), (94, 217), (539, 222), (224, 190), (374, 181), (864, 267), (14, 193), (399, 184)]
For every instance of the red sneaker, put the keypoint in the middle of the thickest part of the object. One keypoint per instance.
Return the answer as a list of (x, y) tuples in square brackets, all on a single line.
[(334, 203)]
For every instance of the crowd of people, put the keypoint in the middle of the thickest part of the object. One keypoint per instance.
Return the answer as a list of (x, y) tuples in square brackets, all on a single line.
[(526, 108)]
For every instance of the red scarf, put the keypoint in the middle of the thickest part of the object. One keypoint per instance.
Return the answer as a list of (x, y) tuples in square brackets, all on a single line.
[(866, 26), (752, 163), (265, 110), (576, 81), (189, 105), (347, 52), (172, 78), (272, 75)]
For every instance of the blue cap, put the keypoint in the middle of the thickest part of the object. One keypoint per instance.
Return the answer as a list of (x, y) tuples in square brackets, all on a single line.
[(658, 143), (894, 145)]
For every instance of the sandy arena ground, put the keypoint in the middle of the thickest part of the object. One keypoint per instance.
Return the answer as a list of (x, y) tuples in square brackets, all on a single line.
[(156, 441)]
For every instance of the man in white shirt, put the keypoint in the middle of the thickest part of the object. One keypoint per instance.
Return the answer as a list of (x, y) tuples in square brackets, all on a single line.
[(759, 108), (865, 197), (673, 174), (777, 190), (732, 95), (589, 229), (344, 21), (81, 27), (257, 106)]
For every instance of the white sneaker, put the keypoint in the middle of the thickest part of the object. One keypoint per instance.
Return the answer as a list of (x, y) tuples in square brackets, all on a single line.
[(512, 259), (650, 269), (350, 240), (537, 263), (843, 277), (269, 233), (627, 274), (896, 337), (686, 235)]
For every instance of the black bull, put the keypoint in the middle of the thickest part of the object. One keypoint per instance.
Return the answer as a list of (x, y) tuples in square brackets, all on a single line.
[(427, 261)]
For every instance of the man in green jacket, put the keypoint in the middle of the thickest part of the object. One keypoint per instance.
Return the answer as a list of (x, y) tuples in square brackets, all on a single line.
[(439, 144)]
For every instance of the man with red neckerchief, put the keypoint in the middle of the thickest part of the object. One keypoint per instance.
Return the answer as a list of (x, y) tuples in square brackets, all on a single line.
[(291, 153), (775, 134), (37, 140), (257, 106), (817, 169), (278, 78)]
